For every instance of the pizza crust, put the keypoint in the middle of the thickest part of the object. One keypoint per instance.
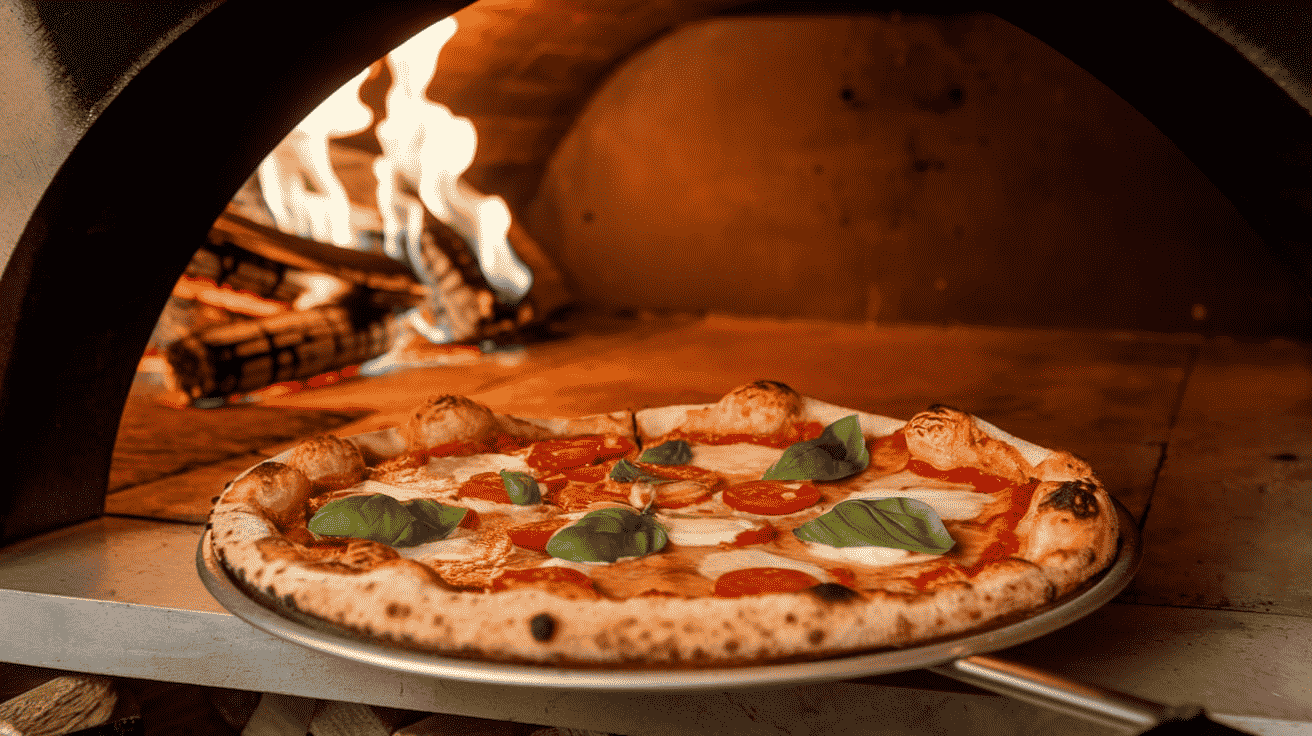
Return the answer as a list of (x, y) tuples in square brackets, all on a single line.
[(1067, 533)]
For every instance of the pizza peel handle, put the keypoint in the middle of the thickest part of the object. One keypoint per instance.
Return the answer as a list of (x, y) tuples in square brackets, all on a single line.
[(1087, 702)]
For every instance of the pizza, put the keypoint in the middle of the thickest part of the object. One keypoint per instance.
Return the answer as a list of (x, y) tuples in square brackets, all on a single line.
[(766, 527)]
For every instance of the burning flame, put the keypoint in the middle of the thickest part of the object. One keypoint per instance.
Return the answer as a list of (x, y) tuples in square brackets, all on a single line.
[(297, 178), (425, 151)]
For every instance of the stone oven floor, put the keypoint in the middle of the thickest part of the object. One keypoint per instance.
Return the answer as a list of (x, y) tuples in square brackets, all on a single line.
[(1208, 442)]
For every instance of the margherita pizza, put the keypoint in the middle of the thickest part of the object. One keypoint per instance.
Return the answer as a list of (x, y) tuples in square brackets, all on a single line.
[(765, 527)]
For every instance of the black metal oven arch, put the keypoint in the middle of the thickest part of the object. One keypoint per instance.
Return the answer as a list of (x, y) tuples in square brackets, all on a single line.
[(113, 232)]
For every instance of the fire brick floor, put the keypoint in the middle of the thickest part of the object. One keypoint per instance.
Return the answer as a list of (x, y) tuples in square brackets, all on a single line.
[(1206, 440)]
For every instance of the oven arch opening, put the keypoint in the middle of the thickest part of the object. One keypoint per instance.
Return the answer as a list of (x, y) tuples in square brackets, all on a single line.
[(93, 230)]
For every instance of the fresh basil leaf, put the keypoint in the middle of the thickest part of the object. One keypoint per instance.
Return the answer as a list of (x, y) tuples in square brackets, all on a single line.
[(381, 518), (378, 517), (838, 452), (606, 535), (626, 472), (901, 523), (674, 452), (433, 520), (521, 487)]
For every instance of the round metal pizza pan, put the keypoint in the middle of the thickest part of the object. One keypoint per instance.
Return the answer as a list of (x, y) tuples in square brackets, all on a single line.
[(324, 637)]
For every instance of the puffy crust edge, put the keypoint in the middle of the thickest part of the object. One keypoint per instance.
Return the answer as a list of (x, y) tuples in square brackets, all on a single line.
[(403, 604), (449, 418)]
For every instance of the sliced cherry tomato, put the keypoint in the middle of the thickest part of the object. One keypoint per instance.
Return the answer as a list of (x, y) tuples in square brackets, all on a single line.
[(495, 442), (563, 581), (587, 473), (578, 496), (771, 497), (577, 451), (487, 486), (755, 580), (535, 534)]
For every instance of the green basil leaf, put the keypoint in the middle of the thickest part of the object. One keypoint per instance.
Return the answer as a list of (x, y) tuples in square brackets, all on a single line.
[(674, 452), (626, 472), (378, 517), (838, 452), (381, 518), (901, 523), (521, 487), (433, 520), (606, 535)]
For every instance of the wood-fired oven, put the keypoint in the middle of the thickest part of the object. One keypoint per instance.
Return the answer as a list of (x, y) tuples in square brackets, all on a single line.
[(1135, 174)]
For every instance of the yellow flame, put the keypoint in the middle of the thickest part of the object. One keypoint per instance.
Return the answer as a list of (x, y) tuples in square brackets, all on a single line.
[(425, 151)]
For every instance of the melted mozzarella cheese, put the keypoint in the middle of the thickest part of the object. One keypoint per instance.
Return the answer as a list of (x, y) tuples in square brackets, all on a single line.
[(703, 532), (868, 556), (464, 468), (461, 545), (949, 504), (402, 494), (518, 514), (718, 563), (741, 459)]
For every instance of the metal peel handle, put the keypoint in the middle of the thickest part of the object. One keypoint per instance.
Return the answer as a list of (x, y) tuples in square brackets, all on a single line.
[(1080, 700)]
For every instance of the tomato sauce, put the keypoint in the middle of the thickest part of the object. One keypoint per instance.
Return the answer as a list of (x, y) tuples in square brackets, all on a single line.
[(760, 535), (756, 580), (496, 442), (983, 482), (789, 434), (535, 534)]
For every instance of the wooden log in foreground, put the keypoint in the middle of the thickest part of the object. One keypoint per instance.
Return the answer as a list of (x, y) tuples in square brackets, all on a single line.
[(247, 356), (64, 704)]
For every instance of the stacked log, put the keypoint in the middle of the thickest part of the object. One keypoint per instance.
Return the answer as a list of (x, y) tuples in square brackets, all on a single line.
[(247, 356)]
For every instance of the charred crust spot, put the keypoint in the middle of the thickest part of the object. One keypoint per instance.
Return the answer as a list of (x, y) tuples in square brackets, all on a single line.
[(542, 627), (214, 500), (731, 646), (772, 386), (1077, 497), (941, 408), (815, 636), (833, 592), (397, 610), (790, 619), (437, 620)]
